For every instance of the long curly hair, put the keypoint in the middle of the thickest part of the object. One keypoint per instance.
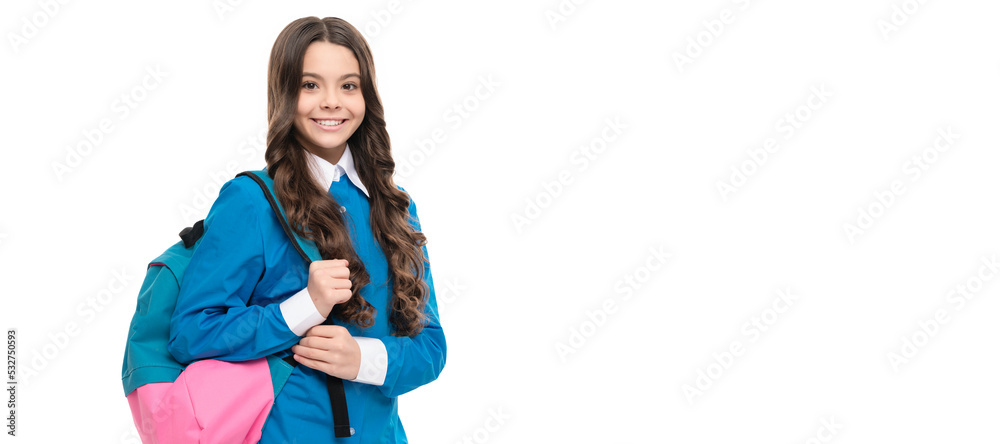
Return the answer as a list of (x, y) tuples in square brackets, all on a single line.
[(313, 212)]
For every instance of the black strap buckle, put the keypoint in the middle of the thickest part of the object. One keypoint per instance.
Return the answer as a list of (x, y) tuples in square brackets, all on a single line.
[(191, 234)]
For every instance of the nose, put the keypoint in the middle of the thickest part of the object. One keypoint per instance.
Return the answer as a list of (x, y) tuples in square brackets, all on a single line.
[(330, 100)]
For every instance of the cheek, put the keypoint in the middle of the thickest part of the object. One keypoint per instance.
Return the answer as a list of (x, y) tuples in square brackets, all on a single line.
[(304, 107), (359, 109)]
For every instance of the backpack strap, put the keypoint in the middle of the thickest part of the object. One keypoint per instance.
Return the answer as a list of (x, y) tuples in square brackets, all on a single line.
[(309, 252), (306, 248)]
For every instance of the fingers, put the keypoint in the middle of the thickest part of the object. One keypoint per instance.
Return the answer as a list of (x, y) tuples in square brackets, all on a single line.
[(327, 281), (332, 264), (319, 354), (313, 342), (320, 349), (333, 282), (333, 273), (323, 331), (312, 363), (341, 296), (329, 284), (331, 291), (330, 349), (329, 368)]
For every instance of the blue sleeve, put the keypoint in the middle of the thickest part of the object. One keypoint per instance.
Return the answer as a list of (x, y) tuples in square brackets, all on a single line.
[(212, 319), (418, 360)]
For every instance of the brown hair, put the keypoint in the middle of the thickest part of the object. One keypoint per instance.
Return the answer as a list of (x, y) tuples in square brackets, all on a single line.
[(313, 212)]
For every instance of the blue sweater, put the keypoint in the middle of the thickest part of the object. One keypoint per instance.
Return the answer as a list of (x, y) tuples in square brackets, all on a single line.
[(244, 257)]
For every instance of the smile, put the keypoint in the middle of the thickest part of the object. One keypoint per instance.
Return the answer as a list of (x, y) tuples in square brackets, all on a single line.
[(329, 125)]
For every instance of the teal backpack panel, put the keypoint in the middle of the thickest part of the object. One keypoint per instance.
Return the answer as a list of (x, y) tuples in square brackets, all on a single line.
[(146, 357)]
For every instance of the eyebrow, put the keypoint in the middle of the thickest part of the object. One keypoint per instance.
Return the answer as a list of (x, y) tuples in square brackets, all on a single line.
[(341, 77)]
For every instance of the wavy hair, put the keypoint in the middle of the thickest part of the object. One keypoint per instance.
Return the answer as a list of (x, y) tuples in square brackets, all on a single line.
[(313, 212)]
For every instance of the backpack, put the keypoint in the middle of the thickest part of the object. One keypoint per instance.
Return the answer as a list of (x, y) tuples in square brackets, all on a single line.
[(208, 400)]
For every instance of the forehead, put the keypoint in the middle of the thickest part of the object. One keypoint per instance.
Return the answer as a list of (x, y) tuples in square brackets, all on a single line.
[(329, 60)]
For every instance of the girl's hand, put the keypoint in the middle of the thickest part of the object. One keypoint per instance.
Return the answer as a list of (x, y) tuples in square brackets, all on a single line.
[(329, 284), (331, 350)]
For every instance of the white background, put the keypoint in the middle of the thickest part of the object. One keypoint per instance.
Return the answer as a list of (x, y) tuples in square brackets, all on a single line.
[(541, 336)]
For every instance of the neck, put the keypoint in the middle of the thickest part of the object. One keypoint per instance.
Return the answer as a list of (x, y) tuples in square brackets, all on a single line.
[(331, 155)]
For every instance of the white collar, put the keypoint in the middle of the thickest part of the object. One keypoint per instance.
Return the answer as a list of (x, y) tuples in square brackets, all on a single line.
[(326, 173)]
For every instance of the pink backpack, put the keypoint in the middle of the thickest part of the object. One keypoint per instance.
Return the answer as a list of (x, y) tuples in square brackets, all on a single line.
[(208, 401)]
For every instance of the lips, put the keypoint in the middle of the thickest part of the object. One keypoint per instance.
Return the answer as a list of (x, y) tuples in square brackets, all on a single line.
[(329, 125)]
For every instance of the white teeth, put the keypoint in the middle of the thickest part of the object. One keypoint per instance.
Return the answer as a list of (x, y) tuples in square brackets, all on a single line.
[(329, 122)]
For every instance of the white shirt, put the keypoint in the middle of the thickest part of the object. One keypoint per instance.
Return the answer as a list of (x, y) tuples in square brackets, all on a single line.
[(300, 312)]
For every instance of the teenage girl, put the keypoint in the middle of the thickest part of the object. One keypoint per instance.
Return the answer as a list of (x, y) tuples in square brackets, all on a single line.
[(329, 155)]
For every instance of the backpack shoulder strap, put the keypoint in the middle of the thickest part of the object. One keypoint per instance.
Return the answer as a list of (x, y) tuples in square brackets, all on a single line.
[(306, 248), (280, 370)]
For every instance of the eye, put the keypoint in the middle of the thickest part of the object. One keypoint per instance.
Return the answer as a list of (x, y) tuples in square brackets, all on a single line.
[(350, 86), (306, 85)]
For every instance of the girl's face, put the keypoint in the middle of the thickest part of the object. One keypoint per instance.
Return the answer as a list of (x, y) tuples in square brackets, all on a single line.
[(331, 106)]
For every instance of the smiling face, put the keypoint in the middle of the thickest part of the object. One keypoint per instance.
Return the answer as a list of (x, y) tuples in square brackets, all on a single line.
[(331, 106)]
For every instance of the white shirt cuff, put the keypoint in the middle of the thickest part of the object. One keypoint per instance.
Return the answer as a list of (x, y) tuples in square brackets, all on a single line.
[(300, 313), (374, 361)]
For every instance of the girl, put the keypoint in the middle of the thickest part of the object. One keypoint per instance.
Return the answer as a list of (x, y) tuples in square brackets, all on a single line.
[(246, 293)]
